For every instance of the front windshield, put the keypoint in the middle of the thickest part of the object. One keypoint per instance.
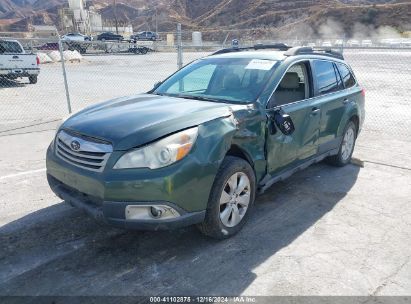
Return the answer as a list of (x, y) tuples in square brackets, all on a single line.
[(233, 80)]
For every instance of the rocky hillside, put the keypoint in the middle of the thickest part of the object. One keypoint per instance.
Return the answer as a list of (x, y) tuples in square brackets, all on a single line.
[(253, 17)]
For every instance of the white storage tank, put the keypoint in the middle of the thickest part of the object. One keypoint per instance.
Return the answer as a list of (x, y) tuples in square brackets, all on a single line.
[(76, 4), (170, 40), (197, 39)]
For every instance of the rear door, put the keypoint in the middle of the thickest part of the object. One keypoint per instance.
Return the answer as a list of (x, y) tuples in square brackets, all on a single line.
[(329, 91), (293, 96)]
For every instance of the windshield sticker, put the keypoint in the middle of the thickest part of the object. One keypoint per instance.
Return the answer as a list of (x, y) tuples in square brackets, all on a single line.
[(260, 64)]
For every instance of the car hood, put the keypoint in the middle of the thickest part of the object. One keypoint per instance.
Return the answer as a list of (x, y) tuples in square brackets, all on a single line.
[(132, 121)]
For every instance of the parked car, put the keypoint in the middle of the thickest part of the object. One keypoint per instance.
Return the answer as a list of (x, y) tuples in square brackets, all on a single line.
[(145, 36), (49, 46), (391, 42), (326, 44), (366, 43), (353, 43), (76, 37), (200, 145), (110, 37), (339, 42), (16, 63)]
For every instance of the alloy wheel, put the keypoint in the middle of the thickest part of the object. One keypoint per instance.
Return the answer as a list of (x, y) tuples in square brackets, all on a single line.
[(348, 143), (235, 199)]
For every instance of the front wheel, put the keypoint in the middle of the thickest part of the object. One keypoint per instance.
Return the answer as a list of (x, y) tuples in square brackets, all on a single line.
[(231, 198), (346, 147)]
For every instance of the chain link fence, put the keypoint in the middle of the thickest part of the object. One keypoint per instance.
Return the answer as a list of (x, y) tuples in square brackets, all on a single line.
[(97, 71), (384, 73)]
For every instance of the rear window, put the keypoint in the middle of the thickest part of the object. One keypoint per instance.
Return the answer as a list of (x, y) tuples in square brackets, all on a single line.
[(346, 75), (326, 77), (10, 47)]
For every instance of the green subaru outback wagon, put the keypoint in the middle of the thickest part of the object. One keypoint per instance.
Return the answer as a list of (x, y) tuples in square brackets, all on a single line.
[(198, 147)]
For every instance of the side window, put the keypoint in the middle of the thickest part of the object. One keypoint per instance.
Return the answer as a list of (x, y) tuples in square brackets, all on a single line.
[(293, 87), (325, 76), (346, 75), (196, 81)]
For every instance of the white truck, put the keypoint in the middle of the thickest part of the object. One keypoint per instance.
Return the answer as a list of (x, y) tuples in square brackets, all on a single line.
[(16, 63)]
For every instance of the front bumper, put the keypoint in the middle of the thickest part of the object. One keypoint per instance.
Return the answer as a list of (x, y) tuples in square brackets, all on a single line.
[(184, 186), (113, 213)]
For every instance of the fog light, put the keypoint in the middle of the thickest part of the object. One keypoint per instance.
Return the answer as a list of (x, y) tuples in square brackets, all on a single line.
[(150, 212), (156, 212)]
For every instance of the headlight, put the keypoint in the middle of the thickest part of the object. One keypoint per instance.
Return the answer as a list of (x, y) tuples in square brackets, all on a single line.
[(161, 153)]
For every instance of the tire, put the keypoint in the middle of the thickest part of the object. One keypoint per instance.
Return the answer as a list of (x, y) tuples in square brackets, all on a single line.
[(227, 213), (345, 152), (33, 79)]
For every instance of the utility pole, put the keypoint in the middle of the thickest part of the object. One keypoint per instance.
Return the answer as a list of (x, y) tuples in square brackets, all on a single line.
[(179, 49), (156, 22), (115, 15)]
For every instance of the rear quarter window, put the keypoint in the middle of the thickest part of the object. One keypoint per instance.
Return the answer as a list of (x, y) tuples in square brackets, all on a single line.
[(346, 75), (10, 47)]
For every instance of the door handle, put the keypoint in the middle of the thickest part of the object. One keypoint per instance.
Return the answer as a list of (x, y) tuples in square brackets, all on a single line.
[(315, 111), (346, 101)]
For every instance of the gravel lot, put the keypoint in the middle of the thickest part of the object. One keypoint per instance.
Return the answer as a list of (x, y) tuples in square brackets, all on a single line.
[(324, 231)]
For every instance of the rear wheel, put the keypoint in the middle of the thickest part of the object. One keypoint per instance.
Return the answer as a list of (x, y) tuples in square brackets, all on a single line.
[(346, 147), (33, 79), (231, 198)]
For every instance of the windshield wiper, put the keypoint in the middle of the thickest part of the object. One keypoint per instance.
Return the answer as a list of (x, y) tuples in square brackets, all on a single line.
[(203, 98)]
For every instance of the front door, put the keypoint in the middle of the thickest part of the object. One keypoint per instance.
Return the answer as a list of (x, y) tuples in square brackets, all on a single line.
[(293, 96)]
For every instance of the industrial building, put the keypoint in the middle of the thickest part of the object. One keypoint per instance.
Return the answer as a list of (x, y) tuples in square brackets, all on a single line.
[(80, 17)]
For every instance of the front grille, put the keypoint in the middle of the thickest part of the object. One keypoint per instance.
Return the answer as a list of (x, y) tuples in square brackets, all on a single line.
[(82, 151)]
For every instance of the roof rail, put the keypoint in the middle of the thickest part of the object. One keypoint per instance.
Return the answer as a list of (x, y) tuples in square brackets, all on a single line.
[(260, 46), (304, 50)]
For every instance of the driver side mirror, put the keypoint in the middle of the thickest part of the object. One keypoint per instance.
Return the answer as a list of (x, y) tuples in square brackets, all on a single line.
[(283, 121)]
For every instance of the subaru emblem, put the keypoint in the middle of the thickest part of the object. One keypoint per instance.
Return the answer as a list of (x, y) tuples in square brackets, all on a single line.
[(75, 145)]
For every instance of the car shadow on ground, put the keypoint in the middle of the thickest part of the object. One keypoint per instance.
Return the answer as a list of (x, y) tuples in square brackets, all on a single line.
[(60, 251), (8, 83)]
